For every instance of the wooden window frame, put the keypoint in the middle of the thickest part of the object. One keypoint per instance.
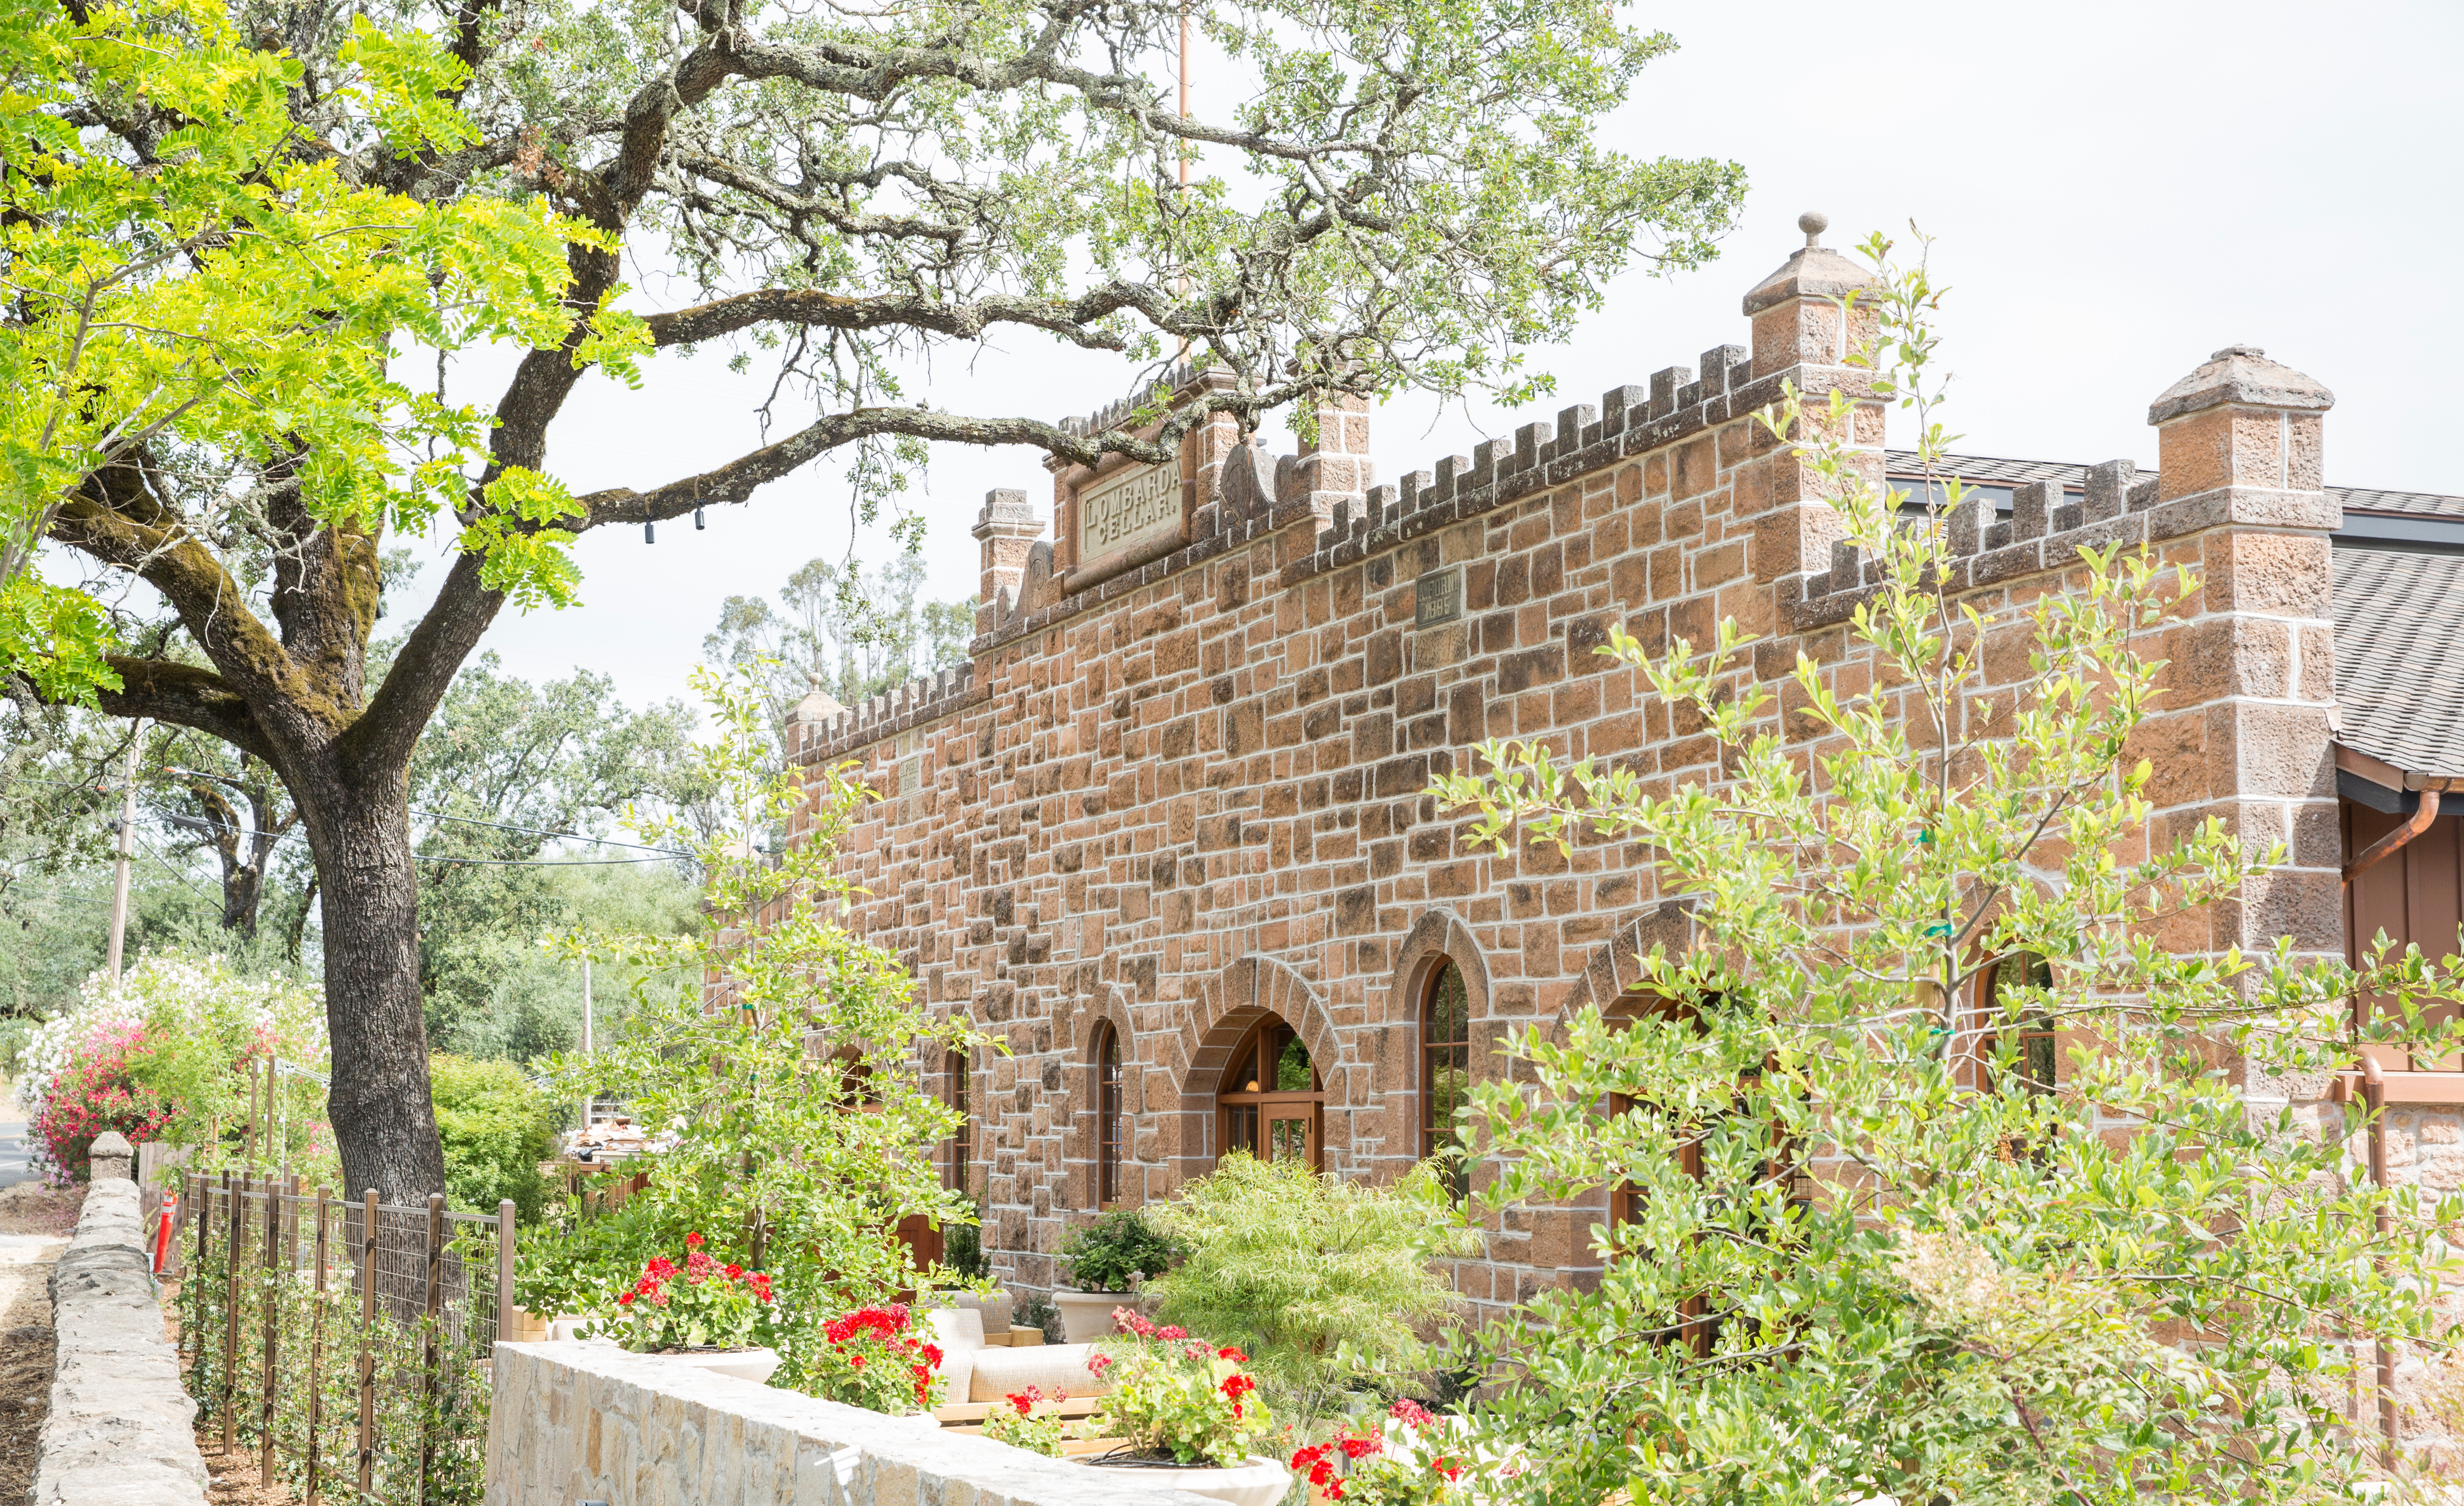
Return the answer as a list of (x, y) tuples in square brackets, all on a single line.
[(1246, 1108), (962, 1136), (2040, 1034), (1451, 1055), (1107, 1115)]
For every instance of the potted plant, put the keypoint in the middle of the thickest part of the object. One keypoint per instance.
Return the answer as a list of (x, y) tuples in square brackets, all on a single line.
[(875, 1358), (1186, 1410), (1105, 1259), (720, 1318), (1403, 1460), (1029, 1420)]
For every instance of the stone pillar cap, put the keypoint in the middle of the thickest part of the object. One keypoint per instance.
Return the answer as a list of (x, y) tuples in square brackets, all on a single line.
[(112, 1143), (1813, 271), (1006, 514), (2239, 375)]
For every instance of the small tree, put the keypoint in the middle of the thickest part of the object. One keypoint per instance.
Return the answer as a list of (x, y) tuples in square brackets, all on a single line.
[(786, 1070), (1324, 1282), (1909, 1265)]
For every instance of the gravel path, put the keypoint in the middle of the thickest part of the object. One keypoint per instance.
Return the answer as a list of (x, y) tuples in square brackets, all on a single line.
[(34, 1225)]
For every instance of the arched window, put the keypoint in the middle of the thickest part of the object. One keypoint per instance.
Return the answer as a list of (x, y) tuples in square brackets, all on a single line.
[(962, 1137), (2037, 1057), (1107, 1115), (1272, 1102), (1446, 1071)]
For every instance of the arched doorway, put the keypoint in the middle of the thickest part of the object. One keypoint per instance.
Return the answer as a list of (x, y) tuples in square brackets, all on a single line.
[(1272, 1101)]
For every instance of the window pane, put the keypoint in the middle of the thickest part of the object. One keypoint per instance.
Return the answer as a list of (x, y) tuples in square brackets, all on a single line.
[(1449, 1020), (1292, 1073)]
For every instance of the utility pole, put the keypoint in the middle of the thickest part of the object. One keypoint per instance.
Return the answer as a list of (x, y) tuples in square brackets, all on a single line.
[(586, 1049), (127, 847)]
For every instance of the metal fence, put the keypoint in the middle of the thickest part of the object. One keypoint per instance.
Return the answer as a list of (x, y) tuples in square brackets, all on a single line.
[(347, 1342)]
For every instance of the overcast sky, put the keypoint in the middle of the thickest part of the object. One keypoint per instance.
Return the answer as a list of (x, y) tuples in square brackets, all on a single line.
[(2114, 190)]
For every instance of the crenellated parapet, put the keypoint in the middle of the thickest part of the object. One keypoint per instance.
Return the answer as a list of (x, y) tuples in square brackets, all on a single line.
[(926, 699)]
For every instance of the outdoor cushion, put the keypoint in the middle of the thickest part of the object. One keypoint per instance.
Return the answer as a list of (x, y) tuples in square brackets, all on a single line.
[(961, 1333), (1054, 1367)]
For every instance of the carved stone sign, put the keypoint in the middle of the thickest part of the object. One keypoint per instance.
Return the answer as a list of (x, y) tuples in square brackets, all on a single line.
[(1124, 512)]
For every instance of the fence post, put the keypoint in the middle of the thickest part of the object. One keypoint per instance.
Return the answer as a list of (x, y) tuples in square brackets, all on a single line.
[(196, 1307), (272, 1280), (504, 1270), (317, 1348), (435, 1306), (235, 1244), (247, 1140), (367, 1337)]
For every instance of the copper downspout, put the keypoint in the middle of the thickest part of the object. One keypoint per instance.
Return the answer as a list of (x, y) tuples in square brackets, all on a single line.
[(2397, 838), (2374, 1095)]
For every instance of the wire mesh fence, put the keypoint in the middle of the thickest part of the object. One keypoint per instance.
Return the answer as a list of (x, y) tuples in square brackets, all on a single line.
[(343, 1342)]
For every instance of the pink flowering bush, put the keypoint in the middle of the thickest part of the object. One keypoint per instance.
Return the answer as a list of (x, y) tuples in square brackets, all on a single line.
[(161, 1055), (701, 1304), (95, 1089), (1179, 1395), (1401, 1461), (873, 1357)]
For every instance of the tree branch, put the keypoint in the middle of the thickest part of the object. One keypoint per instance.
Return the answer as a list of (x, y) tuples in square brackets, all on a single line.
[(964, 320), (186, 695)]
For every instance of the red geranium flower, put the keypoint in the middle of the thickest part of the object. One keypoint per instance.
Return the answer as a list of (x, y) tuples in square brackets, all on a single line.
[(1227, 1352), (693, 1241)]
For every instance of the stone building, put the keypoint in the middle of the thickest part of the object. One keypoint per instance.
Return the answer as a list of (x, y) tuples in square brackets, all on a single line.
[(1168, 832)]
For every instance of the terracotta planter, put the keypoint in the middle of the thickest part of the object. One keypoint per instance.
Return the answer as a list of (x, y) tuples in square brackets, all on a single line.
[(1258, 1481), (1087, 1316), (745, 1365)]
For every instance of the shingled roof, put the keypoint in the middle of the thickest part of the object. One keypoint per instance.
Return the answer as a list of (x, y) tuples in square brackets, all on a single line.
[(2400, 658), (2399, 563), (2001, 471)]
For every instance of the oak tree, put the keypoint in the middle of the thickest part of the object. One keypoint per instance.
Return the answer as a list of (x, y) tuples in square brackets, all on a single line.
[(236, 232)]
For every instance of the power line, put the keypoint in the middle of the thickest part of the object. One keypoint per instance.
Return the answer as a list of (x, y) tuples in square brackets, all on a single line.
[(507, 825), (475, 821)]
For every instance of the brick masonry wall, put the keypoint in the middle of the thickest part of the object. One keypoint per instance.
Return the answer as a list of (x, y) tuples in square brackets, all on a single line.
[(1194, 791)]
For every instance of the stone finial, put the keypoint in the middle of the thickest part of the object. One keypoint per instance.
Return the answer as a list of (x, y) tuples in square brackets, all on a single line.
[(1797, 320), (818, 704), (111, 1156), (1813, 271), (1814, 222), (2243, 375)]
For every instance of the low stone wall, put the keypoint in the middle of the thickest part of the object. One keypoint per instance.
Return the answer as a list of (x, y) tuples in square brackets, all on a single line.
[(576, 1422), (122, 1429)]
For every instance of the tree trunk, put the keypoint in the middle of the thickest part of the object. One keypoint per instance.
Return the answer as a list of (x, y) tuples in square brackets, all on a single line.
[(243, 888), (385, 1121)]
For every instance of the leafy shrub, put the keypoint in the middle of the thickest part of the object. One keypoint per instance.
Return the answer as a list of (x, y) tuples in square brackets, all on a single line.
[(496, 1127), (1105, 1254), (1326, 1281), (962, 1250), (824, 1153), (593, 1257), (1039, 1313)]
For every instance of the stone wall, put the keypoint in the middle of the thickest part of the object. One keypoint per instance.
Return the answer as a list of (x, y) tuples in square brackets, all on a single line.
[(122, 1429), (574, 1422), (1193, 792)]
